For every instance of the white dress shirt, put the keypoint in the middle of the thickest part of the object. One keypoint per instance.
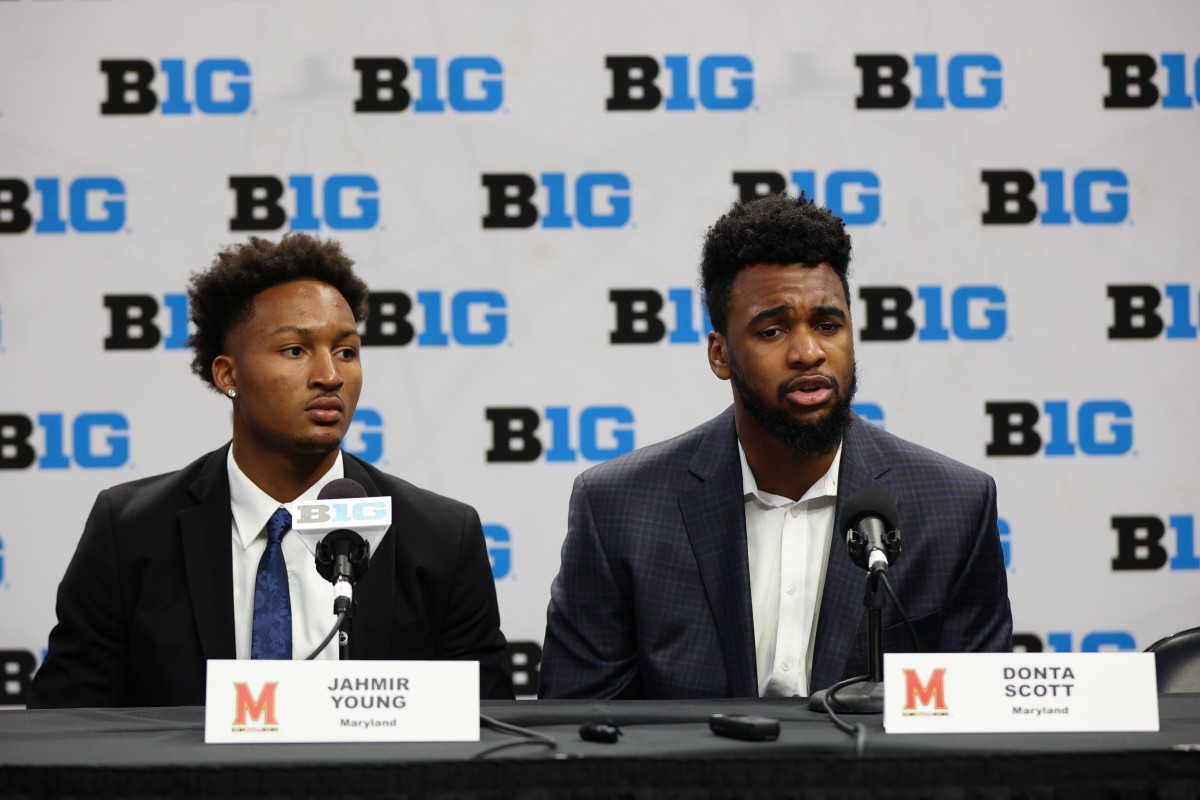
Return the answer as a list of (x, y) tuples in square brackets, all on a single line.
[(788, 547), (312, 595)]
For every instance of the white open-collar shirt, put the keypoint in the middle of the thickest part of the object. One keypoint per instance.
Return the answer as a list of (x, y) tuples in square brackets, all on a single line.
[(787, 542)]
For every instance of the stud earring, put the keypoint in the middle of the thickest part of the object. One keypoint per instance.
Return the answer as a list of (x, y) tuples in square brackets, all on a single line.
[(232, 393)]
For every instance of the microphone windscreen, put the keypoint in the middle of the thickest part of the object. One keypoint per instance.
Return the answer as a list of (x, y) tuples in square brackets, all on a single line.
[(871, 502), (342, 489)]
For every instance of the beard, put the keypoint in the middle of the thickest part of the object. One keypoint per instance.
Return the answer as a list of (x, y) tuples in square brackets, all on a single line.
[(803, 438), (311, 444)]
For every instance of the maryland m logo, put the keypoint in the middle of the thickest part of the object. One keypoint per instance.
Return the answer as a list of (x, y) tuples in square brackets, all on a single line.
[(260, 709), (926, 694)]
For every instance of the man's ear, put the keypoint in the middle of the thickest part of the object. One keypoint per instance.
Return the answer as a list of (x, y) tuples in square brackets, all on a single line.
[(718, 356), (224, 374)]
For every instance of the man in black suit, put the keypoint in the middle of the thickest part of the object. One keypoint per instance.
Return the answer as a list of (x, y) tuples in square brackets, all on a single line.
[(157, 584), (712, 564)]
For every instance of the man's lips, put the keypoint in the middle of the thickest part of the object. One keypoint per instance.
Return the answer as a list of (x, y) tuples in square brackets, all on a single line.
[(809, 390), (325, 409)]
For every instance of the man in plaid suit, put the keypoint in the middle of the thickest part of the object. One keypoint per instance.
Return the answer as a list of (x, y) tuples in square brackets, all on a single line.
[(712, 565)]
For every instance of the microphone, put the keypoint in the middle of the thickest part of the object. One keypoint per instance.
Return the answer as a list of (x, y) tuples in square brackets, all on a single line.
[(871, 534), (873, 541), (342, 527)]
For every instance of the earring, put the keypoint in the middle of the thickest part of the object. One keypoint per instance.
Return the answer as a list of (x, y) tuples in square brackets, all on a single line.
[(232, 393)]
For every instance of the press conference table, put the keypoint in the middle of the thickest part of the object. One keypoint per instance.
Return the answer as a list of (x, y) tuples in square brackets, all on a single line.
[(667, 750)]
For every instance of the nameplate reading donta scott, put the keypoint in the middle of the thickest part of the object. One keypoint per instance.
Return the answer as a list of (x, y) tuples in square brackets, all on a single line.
[(341, 701), (1032, 692)]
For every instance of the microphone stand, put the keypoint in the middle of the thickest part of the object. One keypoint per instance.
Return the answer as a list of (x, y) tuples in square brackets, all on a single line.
[(342, 557), (344, 632), (864, 697)]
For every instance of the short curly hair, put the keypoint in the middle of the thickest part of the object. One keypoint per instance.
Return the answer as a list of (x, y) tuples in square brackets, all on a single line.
[(775, 229), (222, 297)]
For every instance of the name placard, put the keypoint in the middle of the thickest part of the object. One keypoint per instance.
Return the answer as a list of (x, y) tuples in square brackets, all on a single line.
[(1002, 692), (341, 701)]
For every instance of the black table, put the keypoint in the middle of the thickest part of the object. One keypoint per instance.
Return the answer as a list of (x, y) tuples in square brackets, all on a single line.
[(667, 750)]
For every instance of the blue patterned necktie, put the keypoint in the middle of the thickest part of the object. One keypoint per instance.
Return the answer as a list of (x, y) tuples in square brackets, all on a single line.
[(272, 636)]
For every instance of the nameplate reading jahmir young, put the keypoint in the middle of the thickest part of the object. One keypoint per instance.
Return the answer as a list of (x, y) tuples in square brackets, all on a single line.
[(1001, 692), (341, 701)]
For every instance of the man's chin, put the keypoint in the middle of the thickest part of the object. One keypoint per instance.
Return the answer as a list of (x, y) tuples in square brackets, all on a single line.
[(319, 444)]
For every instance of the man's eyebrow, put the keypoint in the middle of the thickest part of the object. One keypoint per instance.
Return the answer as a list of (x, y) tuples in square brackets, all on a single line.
[(300, 330), (823, 311), (829, 311), (768, 313)]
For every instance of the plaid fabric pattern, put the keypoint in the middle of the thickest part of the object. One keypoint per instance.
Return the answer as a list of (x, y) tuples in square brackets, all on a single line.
[(652, 599)]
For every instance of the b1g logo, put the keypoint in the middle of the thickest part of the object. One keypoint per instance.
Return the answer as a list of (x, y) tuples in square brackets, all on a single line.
[(16, 673), (966, 313), (467, 84), (1141, 545), (1064, 642), (133, 322), (499, 547), (83, 205), (209, 86), (970, 81), (640, 316), (92, 440), (1099, 197), (1131, 85), (852, 194), (871, 412), (348, 203), (1136, 313), (365, 436), (598, 200), (524, 660), (712, 82), (603, 433), (1102, 428), (470, 318)]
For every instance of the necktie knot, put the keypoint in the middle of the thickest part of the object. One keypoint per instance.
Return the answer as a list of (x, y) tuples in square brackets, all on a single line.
[(279, 524)]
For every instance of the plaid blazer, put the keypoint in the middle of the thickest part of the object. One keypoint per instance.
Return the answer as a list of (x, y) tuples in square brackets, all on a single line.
[(652, 599)]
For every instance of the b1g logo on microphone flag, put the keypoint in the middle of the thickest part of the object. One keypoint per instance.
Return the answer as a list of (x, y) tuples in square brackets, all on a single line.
[(259, 708), (360, 513), (929, 695), (369, 517)]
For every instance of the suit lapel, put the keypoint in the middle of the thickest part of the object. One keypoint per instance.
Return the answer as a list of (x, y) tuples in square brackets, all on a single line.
[(375, 593), (842, 609), (715, 519), (205, 531)]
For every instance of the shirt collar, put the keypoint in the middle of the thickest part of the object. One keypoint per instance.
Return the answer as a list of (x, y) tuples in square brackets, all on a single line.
[(252, 507), (825, 486)]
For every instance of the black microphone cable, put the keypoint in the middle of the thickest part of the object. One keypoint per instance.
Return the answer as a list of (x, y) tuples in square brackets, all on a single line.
[(528, 736), (341, 617), (912, 632), (858, 730)]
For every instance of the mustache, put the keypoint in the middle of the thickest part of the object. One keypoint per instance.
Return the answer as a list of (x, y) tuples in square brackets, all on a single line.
[(785, 387)]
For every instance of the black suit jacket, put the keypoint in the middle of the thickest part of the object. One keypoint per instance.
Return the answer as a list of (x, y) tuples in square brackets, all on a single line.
[(148, 596), (653, 595)]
